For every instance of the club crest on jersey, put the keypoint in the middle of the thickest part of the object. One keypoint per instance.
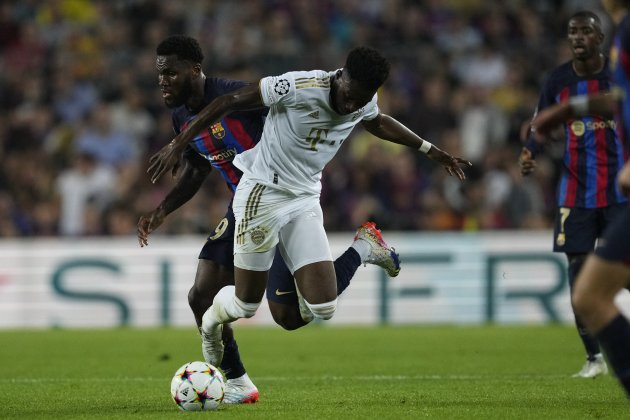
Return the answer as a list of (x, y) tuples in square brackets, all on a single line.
[(218, 132), (578, 128), (282, 87), (258, 235)]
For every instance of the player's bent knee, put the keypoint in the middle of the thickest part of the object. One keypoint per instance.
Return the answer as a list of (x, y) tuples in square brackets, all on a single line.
[(227, 300), (324, 310), (198, 302), (245, 309), (288, 321)]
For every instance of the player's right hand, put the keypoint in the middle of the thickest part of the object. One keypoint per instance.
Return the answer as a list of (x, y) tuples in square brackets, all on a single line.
[(526, 162), (624, 178), (167, 158), (148, 223), (453, 165), (548, 119)]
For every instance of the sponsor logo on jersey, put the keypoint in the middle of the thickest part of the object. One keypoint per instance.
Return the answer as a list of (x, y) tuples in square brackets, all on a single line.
[(218, 131), (227, 154), (578, 127)]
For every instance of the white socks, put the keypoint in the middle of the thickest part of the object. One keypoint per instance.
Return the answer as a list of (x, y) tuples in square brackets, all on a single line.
[(363, 248), (226, 307)]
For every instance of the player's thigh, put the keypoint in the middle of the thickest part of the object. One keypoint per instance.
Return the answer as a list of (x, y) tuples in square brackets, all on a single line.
[(575, 230), (303, 240), (215, 268), (600, 280), (607, 271), (259, 212), (317, 282), (212, 277), (219, 246), (249, 284), (611, 213), (305, 249), (597, 285)]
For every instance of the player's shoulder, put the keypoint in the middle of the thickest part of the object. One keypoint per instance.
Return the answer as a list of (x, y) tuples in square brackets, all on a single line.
[(624, 25), (217, 86), (305, 81), (562, 72), (622, 32)]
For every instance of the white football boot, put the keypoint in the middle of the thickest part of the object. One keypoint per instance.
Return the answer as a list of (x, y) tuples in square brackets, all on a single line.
[(381, 254), (240, 391), (593, 368), (211, 339)]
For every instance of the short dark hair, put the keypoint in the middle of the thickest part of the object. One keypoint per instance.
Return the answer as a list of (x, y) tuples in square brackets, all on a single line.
[(368, 67), (587, 14), (184, 47)]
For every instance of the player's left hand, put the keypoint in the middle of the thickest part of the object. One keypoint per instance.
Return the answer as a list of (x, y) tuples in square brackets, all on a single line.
[(148, 223), (450, 163), (168, 158)]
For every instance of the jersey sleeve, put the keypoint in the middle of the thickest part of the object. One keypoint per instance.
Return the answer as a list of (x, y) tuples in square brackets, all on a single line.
[(546, 99), (223, 86), (277, 89)]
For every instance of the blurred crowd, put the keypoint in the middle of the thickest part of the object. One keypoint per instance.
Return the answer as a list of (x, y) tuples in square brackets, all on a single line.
[(81, 112)]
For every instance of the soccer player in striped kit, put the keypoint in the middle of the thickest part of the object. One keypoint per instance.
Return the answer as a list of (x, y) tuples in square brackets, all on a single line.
[(607, 270), (587, 196)]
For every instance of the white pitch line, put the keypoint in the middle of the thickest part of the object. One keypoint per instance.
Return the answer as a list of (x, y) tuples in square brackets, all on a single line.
[(299, 378)]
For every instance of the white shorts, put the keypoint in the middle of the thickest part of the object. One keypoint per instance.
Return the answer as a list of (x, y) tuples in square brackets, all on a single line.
[(266, 216)]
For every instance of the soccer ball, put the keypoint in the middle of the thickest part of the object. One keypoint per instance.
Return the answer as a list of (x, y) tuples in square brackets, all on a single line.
[(198, 386)]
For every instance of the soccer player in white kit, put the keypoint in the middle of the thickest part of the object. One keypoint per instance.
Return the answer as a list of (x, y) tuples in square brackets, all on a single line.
[(311, 113)]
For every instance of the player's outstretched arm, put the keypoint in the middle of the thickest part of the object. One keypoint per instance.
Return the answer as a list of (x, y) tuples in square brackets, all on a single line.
[(390, 129), (167, 159), (548, 119), (186, 187)]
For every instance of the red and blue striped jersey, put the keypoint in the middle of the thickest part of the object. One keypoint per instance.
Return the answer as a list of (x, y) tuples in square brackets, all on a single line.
[(221, 142), (593, 153), (620, 64)]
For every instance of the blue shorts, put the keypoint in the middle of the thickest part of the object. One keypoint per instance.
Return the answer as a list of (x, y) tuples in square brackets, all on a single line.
[(577, 229), (219, 247), (615, 244)]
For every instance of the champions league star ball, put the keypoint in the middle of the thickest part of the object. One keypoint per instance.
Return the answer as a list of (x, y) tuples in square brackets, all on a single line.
[(198, 386)]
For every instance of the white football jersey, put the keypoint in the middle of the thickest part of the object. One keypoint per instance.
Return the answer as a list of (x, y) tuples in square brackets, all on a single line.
[(302, 132)]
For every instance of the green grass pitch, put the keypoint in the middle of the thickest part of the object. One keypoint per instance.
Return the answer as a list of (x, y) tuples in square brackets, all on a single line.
[(318, 372)]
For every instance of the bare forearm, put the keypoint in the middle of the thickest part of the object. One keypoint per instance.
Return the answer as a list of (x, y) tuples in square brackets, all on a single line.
[(390, 129), (185, 188), (209, 115), (244, 99)]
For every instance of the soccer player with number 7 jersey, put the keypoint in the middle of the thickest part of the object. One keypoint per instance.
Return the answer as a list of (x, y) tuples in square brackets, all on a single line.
[(607, 270), (588, 197)]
